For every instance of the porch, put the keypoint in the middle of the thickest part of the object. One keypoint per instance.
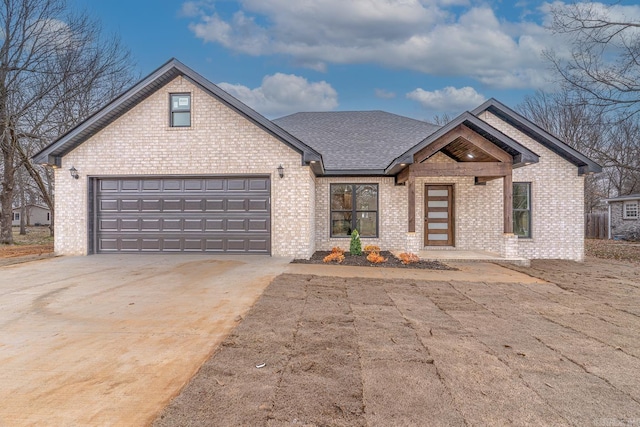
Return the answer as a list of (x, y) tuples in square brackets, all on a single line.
[(452, 255)]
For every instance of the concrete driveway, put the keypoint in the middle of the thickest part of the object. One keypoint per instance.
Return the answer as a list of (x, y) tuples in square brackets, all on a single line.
[(109, 340)]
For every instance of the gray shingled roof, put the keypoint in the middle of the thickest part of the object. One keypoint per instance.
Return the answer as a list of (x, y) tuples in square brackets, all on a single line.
[(364, 140)]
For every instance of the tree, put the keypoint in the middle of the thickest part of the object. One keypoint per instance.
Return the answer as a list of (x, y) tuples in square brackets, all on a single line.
[(603, 66), (55, 70), (611, 141)]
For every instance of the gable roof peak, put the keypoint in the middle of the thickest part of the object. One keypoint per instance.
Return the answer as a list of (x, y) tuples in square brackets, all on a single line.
[(171, 69)]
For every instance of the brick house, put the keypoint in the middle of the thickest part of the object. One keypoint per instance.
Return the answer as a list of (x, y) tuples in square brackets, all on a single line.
[(175, 164), (624, 215)]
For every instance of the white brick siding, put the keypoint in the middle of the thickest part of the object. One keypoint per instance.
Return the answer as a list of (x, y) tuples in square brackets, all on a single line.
[(557, 199), (220, 141), (392, 214)]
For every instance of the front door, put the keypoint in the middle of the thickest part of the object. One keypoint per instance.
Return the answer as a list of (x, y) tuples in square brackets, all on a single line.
[(438, 218)]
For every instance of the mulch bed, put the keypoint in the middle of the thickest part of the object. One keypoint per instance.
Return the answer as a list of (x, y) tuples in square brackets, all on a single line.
[(361, 261)]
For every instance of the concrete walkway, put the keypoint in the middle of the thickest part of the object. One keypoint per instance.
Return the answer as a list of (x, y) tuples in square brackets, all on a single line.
[(467, 271), (109, 340)]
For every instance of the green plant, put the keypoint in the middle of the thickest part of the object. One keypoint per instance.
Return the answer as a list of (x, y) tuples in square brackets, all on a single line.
[(355, 248)]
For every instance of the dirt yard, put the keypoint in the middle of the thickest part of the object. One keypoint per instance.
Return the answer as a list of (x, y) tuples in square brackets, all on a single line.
[(36, 244), (362, 352)]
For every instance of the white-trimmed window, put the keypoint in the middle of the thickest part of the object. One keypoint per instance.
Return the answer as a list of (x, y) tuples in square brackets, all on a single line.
[(16, 216), (180, 109), (630, 209)]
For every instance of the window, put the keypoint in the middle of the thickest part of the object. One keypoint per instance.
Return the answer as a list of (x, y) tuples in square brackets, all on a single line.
[(354, 206), (630, 209), (180, 109), (48, 216), (16, 216), (522, 209)]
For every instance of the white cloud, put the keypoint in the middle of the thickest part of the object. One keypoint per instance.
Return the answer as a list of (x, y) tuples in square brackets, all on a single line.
[(384, 94), (433, 37), (448, 99), (282, 94)]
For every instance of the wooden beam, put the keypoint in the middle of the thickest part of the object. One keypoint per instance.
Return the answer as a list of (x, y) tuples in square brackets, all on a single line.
[(437, 145), (508, 203), (479, 169), (403, 175), (411, 187), (485, 145), (482, 180)]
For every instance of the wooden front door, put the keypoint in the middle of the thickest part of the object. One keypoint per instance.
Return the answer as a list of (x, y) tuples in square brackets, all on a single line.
[(438, 217)]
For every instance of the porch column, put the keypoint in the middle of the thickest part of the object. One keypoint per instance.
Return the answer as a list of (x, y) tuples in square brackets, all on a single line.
[(507, 193), (411, 187)]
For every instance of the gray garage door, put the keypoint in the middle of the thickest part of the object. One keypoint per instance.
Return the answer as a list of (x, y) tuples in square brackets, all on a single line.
[(212, 214)]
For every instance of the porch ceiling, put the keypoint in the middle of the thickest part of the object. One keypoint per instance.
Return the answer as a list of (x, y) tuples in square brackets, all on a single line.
[(462, 150)]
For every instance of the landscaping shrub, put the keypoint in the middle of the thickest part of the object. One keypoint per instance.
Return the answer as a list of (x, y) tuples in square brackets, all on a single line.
[(371, 248), (375, 258), (408, 258), (355, 248), (338, 257)]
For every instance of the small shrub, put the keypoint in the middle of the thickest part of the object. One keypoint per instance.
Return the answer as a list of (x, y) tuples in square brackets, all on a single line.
[(371, 248), (408, 258), (334, 256), (337, 249), (375, 258), (355, 248)]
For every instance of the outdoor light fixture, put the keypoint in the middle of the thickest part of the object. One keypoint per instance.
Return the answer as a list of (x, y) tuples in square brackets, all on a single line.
[(470, 156), (281, 171), (74, 172)]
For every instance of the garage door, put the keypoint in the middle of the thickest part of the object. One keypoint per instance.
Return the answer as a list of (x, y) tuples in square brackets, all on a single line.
[(212, 214)]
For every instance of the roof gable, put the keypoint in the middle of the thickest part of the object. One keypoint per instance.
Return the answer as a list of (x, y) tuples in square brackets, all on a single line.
[(52, 153), (585, 165), (520, 154)]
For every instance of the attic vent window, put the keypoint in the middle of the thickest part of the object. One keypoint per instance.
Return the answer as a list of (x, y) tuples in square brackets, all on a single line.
[(180, 109)]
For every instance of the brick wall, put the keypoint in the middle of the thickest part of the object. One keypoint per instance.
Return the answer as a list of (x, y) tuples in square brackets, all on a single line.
[(220, 141), (392, 214), (557, 199)]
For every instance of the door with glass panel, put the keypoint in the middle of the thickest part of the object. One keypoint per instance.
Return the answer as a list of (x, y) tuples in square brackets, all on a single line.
[(438, 218)]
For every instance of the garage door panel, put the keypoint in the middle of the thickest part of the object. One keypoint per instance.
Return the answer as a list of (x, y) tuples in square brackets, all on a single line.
[(258, 205), (108, 225), (214, 205), (237, 184), (191, 205), (172, 185), (151, 205), (132, 185), (217, 215), (258, 245), (151, 185)]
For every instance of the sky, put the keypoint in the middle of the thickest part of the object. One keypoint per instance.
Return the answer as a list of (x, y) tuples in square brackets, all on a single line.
[(417, 58)]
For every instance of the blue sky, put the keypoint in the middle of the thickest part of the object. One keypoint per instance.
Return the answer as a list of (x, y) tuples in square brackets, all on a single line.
[(411, 57)]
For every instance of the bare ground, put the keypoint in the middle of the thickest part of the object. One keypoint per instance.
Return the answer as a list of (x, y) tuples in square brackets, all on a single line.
[(363, 352), (36, 244)]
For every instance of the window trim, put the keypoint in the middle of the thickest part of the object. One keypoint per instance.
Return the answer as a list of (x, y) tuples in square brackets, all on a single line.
[(172, 111), (354, 209), (16, 216), (529, 210), (625, 215)]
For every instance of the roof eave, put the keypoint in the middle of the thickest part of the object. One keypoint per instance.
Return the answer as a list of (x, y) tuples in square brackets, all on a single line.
[(522, 156), (51, 154), (585, 165)]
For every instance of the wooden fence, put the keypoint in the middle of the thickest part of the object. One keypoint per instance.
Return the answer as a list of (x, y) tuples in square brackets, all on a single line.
[(596, 225)]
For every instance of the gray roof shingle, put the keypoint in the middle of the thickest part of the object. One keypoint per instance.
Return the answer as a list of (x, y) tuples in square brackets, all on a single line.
[(357, 140)]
